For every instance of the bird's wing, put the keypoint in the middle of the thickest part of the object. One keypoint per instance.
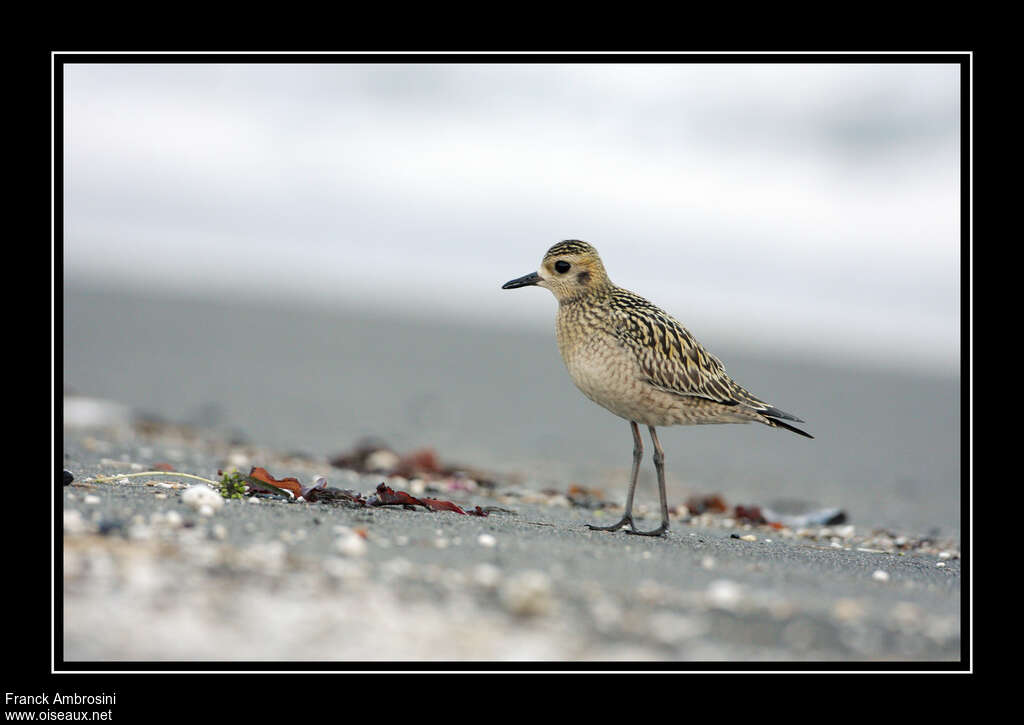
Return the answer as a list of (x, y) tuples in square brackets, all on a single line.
[(672, 360)]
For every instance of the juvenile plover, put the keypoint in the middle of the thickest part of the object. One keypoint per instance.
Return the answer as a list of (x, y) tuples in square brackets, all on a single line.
[(636, 360)]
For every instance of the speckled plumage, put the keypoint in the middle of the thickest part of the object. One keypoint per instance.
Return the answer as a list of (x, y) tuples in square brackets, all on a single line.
[(636, 360), (629, 356)]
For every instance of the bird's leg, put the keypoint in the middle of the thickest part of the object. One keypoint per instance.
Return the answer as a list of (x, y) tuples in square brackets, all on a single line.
[(638, 454), (659, 465)]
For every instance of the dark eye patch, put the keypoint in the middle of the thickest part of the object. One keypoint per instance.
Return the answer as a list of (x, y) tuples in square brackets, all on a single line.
[(561, 266)]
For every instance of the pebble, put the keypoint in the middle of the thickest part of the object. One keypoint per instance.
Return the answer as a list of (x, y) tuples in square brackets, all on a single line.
[(748, 537), (486, 540), (528, 594), (381, 460), (173, 519), (351, 544), (723, 593), (90, 499), (847, 610), (74, 523), (880, 576), (486, 575), (202, 499)]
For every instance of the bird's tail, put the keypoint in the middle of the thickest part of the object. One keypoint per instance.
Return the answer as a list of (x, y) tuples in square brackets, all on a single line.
[(772, 416)]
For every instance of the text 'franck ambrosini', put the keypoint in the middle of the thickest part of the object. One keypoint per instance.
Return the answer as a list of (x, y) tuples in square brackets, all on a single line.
[(57, 698)]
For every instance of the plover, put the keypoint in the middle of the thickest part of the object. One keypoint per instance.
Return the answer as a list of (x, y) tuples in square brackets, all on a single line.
[(636, 360)]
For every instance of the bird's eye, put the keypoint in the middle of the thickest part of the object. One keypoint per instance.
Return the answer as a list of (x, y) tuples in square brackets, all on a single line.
[(561, 266)]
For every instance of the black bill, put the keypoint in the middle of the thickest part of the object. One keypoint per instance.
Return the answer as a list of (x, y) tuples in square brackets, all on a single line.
[(524, 281)]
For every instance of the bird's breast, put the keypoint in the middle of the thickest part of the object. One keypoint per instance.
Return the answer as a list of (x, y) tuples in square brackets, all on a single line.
[(601, 367)]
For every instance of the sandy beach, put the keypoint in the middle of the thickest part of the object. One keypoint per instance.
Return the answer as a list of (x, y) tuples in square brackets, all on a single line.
[(199, 386)]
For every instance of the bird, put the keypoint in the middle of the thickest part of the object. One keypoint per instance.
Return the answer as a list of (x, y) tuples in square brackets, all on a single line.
[(637, 361)]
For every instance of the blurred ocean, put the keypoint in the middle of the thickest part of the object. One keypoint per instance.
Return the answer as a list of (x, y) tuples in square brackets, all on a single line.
[(307, 378)]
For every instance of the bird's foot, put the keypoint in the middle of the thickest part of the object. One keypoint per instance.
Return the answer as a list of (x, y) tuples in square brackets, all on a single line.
[(660, 531), (614, 527)]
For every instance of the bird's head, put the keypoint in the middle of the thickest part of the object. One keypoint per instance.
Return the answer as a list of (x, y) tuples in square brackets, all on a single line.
[(570, 269)]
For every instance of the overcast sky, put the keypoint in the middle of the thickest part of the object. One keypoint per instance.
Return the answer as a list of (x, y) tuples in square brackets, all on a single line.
[(810, 209)]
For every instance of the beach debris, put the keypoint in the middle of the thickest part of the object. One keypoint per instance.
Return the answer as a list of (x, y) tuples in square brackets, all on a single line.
[(819, 517), (374, 456), (203, 499), (387, 496), (749, 514), (259, 480), (712, 503), (766, 516), (585, 497)]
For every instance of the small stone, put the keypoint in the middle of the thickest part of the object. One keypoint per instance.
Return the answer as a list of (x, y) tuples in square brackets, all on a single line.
[(486, 575), (846, 610), (90, 499), (74, 523), (748, 537), (486, 540), (880, 576), (528, 594), (199, 496), (173, 519), (382, 460), (351, 544), (724, 593), (944, 555), (559, 500)]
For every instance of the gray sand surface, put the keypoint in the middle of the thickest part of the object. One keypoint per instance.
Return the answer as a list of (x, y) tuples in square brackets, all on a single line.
[(148, 577)]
